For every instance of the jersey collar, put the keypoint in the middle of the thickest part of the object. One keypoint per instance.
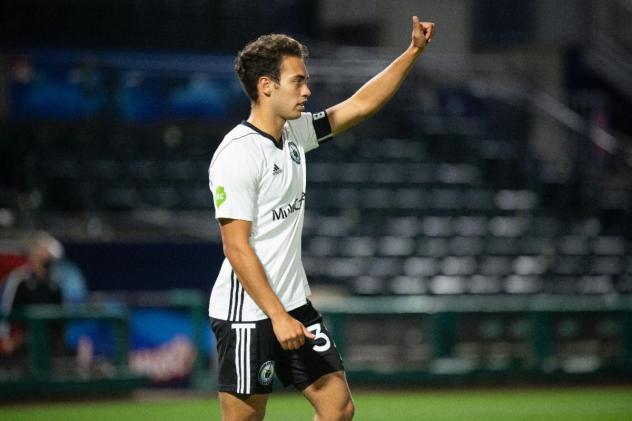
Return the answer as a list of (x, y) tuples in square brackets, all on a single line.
[(279, 145)]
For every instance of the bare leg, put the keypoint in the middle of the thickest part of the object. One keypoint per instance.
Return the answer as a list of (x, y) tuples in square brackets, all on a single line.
[(331, 398), (242, 407)]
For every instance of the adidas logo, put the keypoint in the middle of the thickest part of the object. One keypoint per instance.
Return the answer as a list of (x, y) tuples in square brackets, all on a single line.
[(276, 170)]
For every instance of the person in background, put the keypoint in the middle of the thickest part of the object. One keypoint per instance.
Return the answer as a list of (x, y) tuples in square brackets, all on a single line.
[(32, 283)]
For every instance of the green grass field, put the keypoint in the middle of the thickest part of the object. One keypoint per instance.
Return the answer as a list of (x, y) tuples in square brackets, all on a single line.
[(608, 404)]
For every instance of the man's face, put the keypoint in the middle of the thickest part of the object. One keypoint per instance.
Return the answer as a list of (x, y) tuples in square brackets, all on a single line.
[(291, 93), (41, 261)]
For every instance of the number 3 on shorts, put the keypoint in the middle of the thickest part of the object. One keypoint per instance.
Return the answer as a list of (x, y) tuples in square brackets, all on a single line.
[(315, 329)]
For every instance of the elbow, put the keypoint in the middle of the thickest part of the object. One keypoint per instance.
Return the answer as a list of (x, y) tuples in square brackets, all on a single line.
[(229, 250), (232, 250)]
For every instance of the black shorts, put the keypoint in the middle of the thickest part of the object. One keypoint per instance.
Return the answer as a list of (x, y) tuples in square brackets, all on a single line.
[(250, 355)]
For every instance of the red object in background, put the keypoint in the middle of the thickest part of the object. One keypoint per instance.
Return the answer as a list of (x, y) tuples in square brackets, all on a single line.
[(8, 262)]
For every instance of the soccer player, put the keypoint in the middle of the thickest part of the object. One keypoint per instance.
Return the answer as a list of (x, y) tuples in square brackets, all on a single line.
[(259, 307)]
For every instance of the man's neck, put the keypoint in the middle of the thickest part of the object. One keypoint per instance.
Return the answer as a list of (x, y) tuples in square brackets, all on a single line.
[(266, 121)]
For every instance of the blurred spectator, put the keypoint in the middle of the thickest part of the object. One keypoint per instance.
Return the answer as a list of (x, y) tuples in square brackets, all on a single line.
[(32, 283)]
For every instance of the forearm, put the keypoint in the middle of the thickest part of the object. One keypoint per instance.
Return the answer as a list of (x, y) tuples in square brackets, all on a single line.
[(252, 277), (374, 94)]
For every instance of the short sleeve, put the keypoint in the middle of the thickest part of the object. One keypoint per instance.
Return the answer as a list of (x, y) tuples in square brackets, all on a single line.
[(234, 180), (311, 129)]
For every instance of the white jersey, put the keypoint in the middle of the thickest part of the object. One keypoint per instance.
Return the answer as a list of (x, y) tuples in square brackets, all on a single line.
[(255, 179)]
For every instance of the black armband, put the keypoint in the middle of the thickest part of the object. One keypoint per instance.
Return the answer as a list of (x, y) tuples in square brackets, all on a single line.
[(322, 127)]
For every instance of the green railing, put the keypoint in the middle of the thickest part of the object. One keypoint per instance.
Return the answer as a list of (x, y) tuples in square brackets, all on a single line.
[(398, 340), (39, 376), (498, 338)]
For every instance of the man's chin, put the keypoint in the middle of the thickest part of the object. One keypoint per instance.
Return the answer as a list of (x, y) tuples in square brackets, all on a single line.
[(294, 114)]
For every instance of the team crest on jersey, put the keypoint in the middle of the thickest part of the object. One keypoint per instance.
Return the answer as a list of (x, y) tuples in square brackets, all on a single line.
[(266, 372), (296, 156)]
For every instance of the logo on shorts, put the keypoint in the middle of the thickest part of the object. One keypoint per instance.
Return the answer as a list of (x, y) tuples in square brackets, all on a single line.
[(296, 157), (266, 372)]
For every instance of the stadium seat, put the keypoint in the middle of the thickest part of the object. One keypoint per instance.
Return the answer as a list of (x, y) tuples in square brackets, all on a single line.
[(529, 265), (543, 226), (470, 225), (568, 265), (452, 265), (466, 246), (609, 245), (434, 226), (516, 200), (481, 284), (322, 246), (322, 172), (505, 226), (353, 172), (432, 247), (401, 226), (606, 265), (358, 246), (411, 198), (573, 245), (495, 265), (385, 267), (623, 284), (518, 284), (463, 174), (478, 199), (368, 285), (318, 199), (395, 246), (530, 245), (502, 246), (388, 173), (316, 267), (421, 266), (443, 285), (557, 284), (346, 267), (377, 198), (335, 226), (595, 284), (407, 285), (445, 199), (423, 173), (342, 198)]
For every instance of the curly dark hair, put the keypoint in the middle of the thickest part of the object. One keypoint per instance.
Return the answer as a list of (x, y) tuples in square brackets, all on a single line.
[(263, 57)]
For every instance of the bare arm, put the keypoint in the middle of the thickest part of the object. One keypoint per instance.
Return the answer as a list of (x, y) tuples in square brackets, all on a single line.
[(290, 332), (372, 96)]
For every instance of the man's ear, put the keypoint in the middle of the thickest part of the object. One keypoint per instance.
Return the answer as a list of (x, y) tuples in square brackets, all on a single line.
[(265, 85)]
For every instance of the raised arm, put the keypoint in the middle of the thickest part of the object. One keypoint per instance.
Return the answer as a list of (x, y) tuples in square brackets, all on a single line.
[(372, 96), (290, 332)]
